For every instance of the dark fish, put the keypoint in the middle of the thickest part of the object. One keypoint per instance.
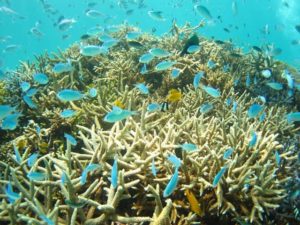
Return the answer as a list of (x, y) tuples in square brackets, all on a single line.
[(297, 27), (236, 55), (92, 4), (219, 42), (85, 36), (193, 40), (257, 48), (129, 12), (226, 30), (295, 42), (135, 44)]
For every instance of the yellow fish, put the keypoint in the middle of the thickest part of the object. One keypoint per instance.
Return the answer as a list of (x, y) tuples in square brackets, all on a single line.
[(174, 95), (194, 204), (119, 104)]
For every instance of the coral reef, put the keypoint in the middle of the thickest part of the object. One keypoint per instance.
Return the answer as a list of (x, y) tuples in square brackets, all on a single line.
[(244, 169)]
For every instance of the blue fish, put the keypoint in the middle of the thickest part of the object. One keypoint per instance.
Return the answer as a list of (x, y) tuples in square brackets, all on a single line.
[(64, 178), (62, 67), (110, 43), (25, 86), (262, 117), (293, 117), (228, 102), (266, 73), (254, 110), (253, 140), (67, 113), (158, 52), (212, 91), (175, 73), (153, 107), (36, 176), (174, 160), (164, 65), (193, 48), (29, 102), (219, 176), (206, 107), (211, 64), (93, 92), (227, 153), (117, 114), (197, 79), (248, 80), (275, 85), (10, 122), (32, 159), (91, 167), (69, 95), (46, 219), (172, 184), (40, 78), (289, 78), (153, 168), (17, 155), (133, 35), (277, 158), (70, 139), (31, 92), (146, 58), (114, 174), (189, 147), (203, 11), (144, 69), (93, 50), (142, 88), (10, 194), (156, 15), (105, 37), (234, 106), (5, 110)]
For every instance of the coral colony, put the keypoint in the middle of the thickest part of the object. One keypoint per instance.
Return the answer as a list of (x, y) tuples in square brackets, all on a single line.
[(138, 129)]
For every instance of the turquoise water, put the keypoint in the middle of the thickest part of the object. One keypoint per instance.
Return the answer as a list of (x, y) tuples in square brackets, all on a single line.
[(248, 23)]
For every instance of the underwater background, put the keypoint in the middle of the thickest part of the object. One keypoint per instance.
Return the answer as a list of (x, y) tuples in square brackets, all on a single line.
[(150, 112)]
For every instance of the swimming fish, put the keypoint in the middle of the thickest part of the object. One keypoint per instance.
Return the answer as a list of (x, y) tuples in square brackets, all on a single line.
[(172, 184), (219, 176), (10, 122), (193, 40), (277, 158), (10, 194), (275, 85), (153, 168), (146, 58), (65, 24), (92, 13), (189, 147), (206, 107), (142, 88), (70, 139), (17, 155), (25, 86), (36, 176), (175, 73), (174, 160), (174, 95), (164, 65), (144, 69), (114, 174), (293, 117), (203, 11), (110, 43), (253, 140), (32, 159), (5, 110), (194, 203), (156, 15), (93, 50), (290, 81), (93, 92), (67, 113), (197, 79), (62, 67), (117, 114), (266, 73), (254, 110), (193, 48), (212, 91), (159, 52), (47, 220), (133, 35), (153, 107), (29, 102), (91, 167), (227, 153), (66, 95)]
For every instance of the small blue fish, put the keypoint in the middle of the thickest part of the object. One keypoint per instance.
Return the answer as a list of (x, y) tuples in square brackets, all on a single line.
[(110, 43), (203, 11), (253, 140), (17, 155), (289, 78), (172, 184), (234, 106), (211, 64), (153, 107), (10, 122), (10, 194), (69, 95), (25, 86), (206, 107), (174, 160), (266, 73), (40, 78), (62, 67), (212, 91), (93, 92), (248, 80), (219, 176), (91, 167), (159, 52), (193, 48), (146, 58), (254, 110), (153, 168), (262, 117), (175, 73), (29, 102), (189, 147), (70, 139), (32, 159), (293, 117), (227, 153), (117, 114), (133, 35), (32, 92), (5, 110), (228, 101), (114, 174), (275, 85), (164, 65), (142, 88), (144, 69), (197, 79), (67, 113), (105, 37), (277, 158), (36, 176), (63, 178), (93, 50), (46, 219), (156, 15)]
